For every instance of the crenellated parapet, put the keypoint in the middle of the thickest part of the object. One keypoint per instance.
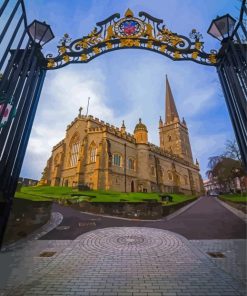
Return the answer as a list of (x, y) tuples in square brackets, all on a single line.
[(160, 151), (111, 129), (58, 145)]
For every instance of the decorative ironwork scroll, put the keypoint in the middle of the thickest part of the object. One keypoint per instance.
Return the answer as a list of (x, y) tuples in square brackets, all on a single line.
[(144, 32)]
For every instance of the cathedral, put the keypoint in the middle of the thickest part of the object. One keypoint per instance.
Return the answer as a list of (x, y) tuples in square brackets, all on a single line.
[(98, 155)]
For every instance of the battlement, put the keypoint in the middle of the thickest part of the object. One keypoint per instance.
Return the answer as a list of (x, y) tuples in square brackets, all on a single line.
[(170, 155), (114, 131), (58, 145), (95, 129)]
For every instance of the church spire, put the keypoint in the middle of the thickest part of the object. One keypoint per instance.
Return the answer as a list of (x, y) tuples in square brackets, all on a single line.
[(171, 110)]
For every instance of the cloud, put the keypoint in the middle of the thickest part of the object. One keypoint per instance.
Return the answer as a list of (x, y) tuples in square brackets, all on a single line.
[(128, 84), (64, 92)]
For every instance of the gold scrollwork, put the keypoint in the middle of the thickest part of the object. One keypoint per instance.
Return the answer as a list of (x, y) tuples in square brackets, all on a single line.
[(198, 45), (110, 33), (83, 57), (51, 63), (150, 44), (108, 45), (143, 34), (169, 37), (129, 42), (148, 31), (91, 39), (62, 49), (163, 48), (194, 54), (177, 55), (66, 58), (82, 44), (212, 58), (96, 50)]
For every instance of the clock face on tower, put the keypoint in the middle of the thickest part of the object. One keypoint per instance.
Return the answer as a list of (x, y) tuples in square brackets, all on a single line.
[(131, 27)]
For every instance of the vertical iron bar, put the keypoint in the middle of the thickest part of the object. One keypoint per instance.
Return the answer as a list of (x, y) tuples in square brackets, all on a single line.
[(240, 45), (230, 101), (16, 93), (28, 128), (239, 64), (11, 42), (9, 21), (236, 85), (13, 60), (11, 153), (2, 8)]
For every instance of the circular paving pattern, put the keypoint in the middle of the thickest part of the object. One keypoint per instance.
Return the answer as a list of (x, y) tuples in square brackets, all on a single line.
[(129, 241)]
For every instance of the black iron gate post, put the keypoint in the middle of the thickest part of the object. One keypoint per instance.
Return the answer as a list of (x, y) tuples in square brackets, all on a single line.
[(232, 71), (23, 75)]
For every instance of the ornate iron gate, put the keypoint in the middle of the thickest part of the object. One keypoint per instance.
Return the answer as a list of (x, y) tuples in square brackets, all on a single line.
[(23, 68)]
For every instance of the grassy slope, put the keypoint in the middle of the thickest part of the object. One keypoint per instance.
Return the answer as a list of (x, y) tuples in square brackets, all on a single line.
[(237, 198), (42, 193)]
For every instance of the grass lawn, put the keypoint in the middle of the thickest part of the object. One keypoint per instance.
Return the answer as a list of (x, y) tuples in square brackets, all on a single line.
[(43, 193), (237, 198)]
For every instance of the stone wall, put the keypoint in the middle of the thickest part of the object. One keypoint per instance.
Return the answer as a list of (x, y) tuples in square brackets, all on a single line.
[(25, 217), (133, 210)]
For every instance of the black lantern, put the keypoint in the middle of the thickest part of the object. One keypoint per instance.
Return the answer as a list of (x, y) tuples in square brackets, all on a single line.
[(222, 27), (41, 33)]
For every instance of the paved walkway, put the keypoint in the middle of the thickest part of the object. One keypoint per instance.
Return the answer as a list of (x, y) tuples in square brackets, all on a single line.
[(206, 219), (117, 261), (93, 255)]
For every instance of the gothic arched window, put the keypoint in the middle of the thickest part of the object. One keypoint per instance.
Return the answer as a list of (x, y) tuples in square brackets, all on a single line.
[(74, 150), (117, 159), (170, 177), (93, 152), (131, 163)]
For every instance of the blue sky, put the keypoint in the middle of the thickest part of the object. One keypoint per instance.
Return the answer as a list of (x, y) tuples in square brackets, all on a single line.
[(128, 84)]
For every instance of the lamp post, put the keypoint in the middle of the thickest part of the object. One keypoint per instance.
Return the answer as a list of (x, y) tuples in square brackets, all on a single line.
[(22, 81), (232, 71)]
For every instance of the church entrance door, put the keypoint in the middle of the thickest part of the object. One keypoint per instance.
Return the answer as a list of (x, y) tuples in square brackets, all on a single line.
[(132, 186)]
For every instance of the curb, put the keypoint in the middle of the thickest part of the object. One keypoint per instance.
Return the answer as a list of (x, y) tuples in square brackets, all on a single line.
[(238, 213), (180, 211), (55, 219)]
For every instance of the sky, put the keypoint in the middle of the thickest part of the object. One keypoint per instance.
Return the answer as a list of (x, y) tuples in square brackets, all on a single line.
[(129, 84)]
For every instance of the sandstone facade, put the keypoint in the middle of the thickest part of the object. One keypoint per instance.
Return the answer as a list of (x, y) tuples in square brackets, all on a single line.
[(102, 156)]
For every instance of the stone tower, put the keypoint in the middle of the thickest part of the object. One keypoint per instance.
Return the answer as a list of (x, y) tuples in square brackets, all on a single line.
[(174, 136)]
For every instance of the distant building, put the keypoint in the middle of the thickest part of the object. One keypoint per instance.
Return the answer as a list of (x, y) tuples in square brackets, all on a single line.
[(213, 187), (101, 156), (27, 182)]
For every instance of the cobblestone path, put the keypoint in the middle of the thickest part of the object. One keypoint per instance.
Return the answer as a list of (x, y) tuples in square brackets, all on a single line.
[(116, 261)]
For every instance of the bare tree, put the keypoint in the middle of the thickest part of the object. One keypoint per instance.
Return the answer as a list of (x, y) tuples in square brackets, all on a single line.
[(232, 150), (227, 167)]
